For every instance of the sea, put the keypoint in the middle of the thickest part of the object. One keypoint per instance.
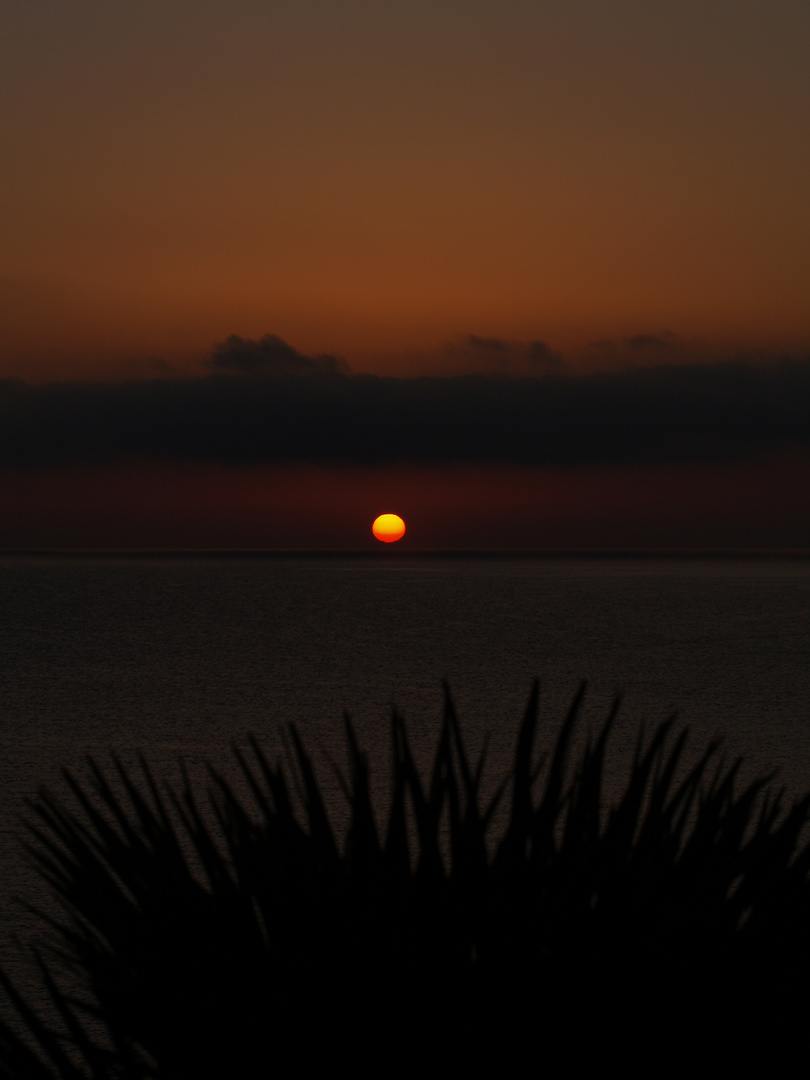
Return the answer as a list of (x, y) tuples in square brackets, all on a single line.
[(177, 657)]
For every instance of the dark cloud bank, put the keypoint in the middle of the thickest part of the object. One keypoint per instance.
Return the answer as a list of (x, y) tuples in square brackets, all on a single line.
[(263, 402)]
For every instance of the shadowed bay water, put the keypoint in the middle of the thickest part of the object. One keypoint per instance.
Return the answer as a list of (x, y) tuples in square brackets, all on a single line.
[(182, 656)]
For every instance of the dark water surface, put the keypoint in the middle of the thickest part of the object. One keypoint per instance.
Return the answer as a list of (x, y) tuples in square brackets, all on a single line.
[(177, 656)]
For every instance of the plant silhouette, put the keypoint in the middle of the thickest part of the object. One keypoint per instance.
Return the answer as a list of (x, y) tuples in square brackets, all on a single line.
[(223, 936)]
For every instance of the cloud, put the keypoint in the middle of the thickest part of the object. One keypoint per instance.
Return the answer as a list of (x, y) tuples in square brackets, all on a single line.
[(270, 356), (542, 358), (664, 342), (651, 349), (497, 356), (254, 407), (496, 346)]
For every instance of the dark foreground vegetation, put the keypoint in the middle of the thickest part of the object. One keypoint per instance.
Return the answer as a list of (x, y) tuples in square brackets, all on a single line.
[(238, 937)]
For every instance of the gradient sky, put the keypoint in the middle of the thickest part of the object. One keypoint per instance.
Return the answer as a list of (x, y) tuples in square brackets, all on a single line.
[(520, 189)]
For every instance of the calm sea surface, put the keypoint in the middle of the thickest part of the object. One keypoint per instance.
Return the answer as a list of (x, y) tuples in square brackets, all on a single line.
[(182, 656)]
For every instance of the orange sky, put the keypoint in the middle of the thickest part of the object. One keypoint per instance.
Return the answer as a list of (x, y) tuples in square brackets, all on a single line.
[(374, 178), (419, 188)]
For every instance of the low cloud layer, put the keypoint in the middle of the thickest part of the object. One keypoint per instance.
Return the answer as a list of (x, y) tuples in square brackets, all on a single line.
[(271, 356), (497, 356), (263, 402)]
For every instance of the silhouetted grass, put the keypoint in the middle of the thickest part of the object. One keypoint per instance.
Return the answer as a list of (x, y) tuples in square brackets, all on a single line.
[(229, 936)]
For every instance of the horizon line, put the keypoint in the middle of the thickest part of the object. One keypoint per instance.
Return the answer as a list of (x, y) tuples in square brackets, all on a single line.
[(397, 553)]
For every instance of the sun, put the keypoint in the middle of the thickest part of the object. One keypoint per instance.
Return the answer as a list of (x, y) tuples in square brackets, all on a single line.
[(388, 528)]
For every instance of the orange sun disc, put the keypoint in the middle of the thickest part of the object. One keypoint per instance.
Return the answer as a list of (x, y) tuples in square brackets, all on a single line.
[(388, 527)]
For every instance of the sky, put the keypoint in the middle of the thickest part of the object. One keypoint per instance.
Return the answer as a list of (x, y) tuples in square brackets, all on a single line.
[(528, 274)]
